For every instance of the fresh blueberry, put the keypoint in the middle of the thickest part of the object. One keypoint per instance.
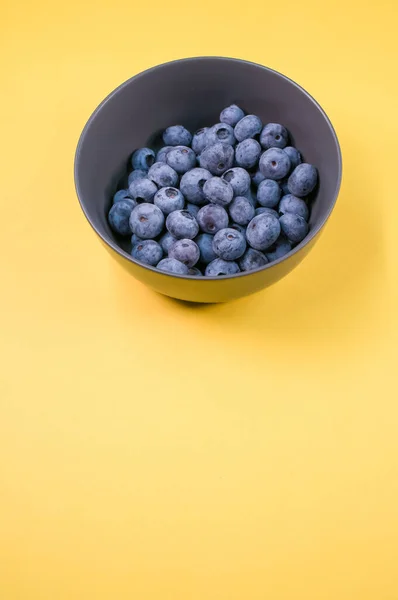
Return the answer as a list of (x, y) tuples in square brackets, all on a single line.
[(247, 153), (221, 267), (121, 195), (303, 180), (195, 272), (217, 158), (268, 193), (239, 228), (212, 218), (257, 178), (171, 265), (146, 221), (264, 209), (205, 245), (135, 239), (218, 191), (294, 155), (143, 159), (148, 252), (283, 186), (186, 251), (263, 231), (221, 132), (239, 179), (274, 135), (177, 135), (181, 224), (181, 159), (193, 209), (163, 175), (166, 241), (248, 127), (231, 115), (294, 227), (229, 244), (274, 163), (137, 174), (169, 199), (143, 190), (292, 204), (251, 197), (119, 216), (192, 183), (199, 140), (162, 154), (281, 247), (241, 210), (252, 259)]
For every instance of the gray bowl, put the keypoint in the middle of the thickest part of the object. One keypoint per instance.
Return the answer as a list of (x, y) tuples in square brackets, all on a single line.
[(192, 92)]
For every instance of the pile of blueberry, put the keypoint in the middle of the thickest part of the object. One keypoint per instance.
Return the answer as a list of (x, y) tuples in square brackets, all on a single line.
[(230, 198)]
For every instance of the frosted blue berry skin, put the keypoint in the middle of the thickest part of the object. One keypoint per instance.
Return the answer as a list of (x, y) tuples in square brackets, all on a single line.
[(212, 218), (231, 115), (252, 259), (169, 199), (177, 135), (192, 184), (229, 244), (274, 164), (294, 227), (205, 245), (239, 179), (143, 190), (241, 210), (247, 153), (219, 267), (268, 193), (217, 158), (263, 231), (186, 251), (218, 191), (221, 132), (279, 249), (163, 175), (119, 216), (148, 252), (181, 224), (248, 127), (143, 159), (303, 180), (171, 265), (181, 159), (292, 204), (146, 221), (274, 135), (199, 140), (294, 156), (121, 195)]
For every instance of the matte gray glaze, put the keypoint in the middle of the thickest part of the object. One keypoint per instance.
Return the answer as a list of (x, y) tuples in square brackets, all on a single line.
[(192, 92)]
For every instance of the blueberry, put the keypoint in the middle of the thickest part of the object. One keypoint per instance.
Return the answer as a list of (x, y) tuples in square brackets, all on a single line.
[(264, 209), (292, 204), (177, 135), (247, 153), (274, 135), (199, 140), (257, 178), (217, 158), (221, 267), (166, 241), (294, 155), (143, 159), (248, 127), (162, 154), (205, 245), (146, 221), (251, 197), (283, 186), (229, 244), (231, 115), (221, 132), (274, 163), (181, 224), (281, 247), (121, 195), (148, 252), (239, 179), (143, 190), (171, 265), (218, 191), (163, 175), (303, 180), (239, 228), (294, 227), (263, 231), (186, 251), (136, 174), (192, 183), (241, 210), (268, 193), (169, 199), (193, 209), (181, 159), (212, 218), (119, 216), (195, 272), (135, 239), (252, 259)]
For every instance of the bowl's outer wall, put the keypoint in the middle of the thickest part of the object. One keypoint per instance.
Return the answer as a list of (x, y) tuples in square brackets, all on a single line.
[(192, 92)]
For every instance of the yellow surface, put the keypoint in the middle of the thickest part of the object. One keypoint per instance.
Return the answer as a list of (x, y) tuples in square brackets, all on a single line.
[(152, 450)]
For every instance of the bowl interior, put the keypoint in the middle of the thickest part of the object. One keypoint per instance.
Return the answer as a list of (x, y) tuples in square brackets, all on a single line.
[(192, 92)]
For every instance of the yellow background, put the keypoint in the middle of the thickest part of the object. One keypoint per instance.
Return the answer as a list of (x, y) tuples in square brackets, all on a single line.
[(153, 450)]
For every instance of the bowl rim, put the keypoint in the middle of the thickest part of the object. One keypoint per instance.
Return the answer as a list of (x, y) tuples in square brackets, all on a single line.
[(109, 242)]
